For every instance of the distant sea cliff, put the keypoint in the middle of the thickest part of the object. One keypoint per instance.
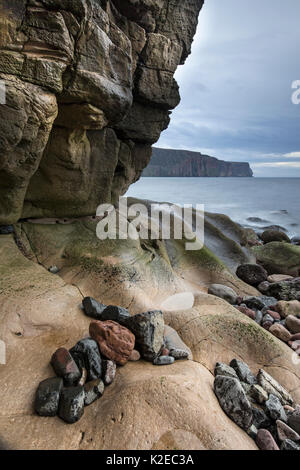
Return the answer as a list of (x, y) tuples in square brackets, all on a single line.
[(168, 162)]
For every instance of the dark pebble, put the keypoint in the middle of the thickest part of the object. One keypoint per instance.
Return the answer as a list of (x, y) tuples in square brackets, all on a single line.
[(87, 355), (92, 308), (163, 360), (92, 391), (47, 396)]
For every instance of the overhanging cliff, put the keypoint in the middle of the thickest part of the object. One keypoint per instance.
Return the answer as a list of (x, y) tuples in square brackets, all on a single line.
[(89, 88), (168, 162)]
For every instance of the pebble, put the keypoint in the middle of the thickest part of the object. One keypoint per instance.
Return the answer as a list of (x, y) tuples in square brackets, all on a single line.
[(47, 396), (87, 355), (278, 278), (92, 391), (71, 404), (293, 324), (270, 385), (265, 440), (259, 317), (234, 401), (258, 303), (65, 367), (93, 308), (259, 394), (274, 315), (252, 432), (275, 409), (223, 292), (148, 329), (114, 313), (289, 445), (285, 432), (263, 287), (114, 340), (286, 308), (163, 360), (109, 371), (53, 269), (252, 274), (267, 325), (178, 354), (247, 311), (243, 371), (225, 370), (134, 356), (6, 229), (260, 419), (268, 319), (294, 420), (280, 332), (296, 337)]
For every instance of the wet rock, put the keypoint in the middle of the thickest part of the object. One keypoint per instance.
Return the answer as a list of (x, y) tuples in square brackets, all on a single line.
[(223, 292), (275, 227), (64, 366), (163, 360), (286, 308), (87, 355), (114, 340), (93, 308), (114, 313), (285, 432), (294, 420), (269, 236), (271, 386), (174, 342), (71, 405), (234, 401), (280, 332), (275, 409), (247, 311), (243, 371), (289, 445), (134, 356), (179, 354), (259, 394), (148, 329), (252, 274), (92, 391), (225, 370), (265, 440), (293, 324), (109, 371), (259, 303), (278, 278), (6, 229), (47, 397), (295, 241)]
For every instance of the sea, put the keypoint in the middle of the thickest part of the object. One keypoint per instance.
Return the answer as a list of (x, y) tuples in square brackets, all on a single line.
[(252, 202)]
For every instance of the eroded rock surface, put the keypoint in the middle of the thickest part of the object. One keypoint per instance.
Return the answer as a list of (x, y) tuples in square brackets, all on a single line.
[(89, 89)]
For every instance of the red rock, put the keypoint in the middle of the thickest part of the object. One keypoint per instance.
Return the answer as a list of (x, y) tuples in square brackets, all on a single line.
[(267, 325), (134, 356), (65, 367), (280, 332), (239, 300), (115, 341), (265, 440), (274, 315), (165, 352), (295, 345), (247, 311)]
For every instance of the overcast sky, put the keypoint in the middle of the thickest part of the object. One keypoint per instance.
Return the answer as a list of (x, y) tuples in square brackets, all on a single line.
[(236, 87)]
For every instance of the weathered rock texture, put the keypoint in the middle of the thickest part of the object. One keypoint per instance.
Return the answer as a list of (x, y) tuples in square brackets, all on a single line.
[(89, 89), (169, 162)]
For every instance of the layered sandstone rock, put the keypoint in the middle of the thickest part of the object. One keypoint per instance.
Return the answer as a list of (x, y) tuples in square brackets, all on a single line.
[(89, 89)]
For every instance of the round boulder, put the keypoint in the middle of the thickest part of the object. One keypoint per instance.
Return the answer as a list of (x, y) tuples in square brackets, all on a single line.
[(252, 274), (223, 292), (269, 236)]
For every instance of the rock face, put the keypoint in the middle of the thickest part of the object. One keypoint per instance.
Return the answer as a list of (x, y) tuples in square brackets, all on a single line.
[(89, 89), (166, 162)]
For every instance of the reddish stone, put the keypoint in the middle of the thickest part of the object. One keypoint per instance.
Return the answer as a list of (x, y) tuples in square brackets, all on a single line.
[(274, 315), (134, 356), (65, 366), (247, 311), (267, 325), (280, 332), (265, 440), (115, 341), (295, 345), (239, 300)]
